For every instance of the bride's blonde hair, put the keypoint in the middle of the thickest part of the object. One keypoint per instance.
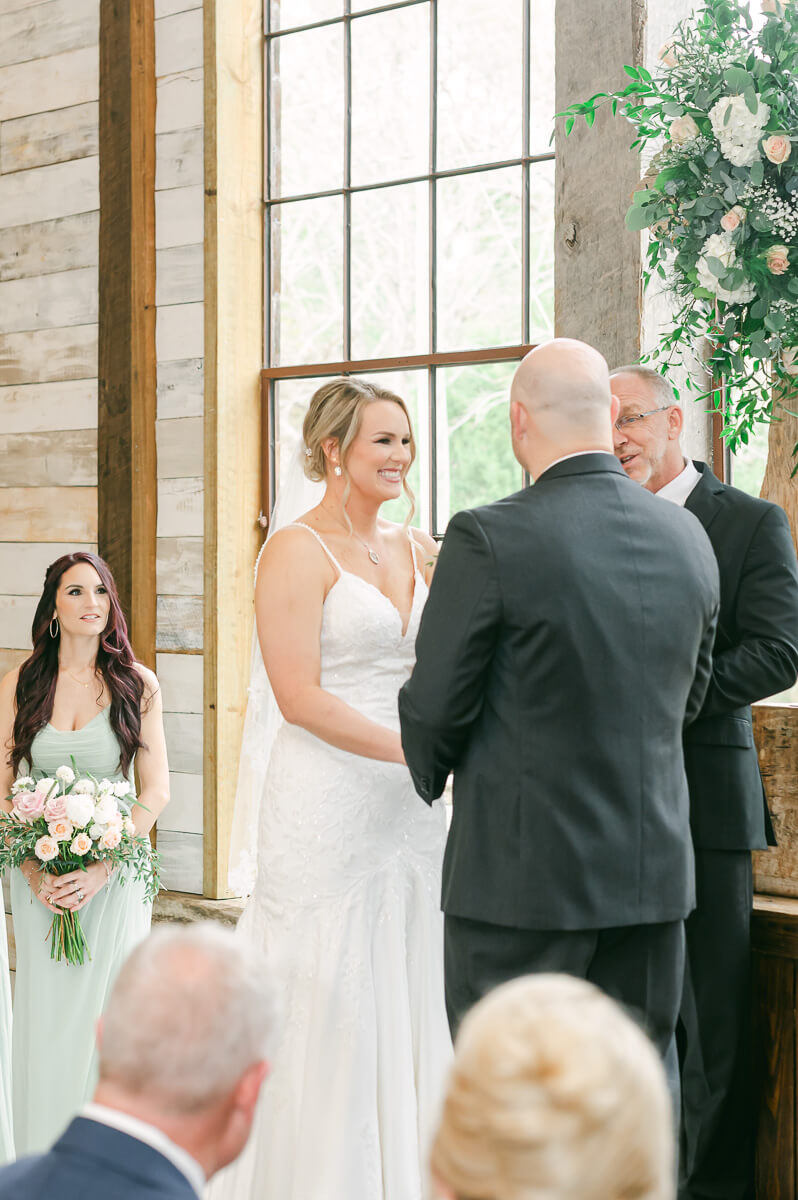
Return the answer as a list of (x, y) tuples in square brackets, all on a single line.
[(555, 1094), (336, 411)]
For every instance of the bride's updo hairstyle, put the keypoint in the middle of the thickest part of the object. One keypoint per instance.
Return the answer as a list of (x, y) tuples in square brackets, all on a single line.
[(555, 1094), (336, 411)]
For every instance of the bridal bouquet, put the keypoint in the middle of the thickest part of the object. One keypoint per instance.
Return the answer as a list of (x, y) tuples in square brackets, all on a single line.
[(720, 195), (67, 822)]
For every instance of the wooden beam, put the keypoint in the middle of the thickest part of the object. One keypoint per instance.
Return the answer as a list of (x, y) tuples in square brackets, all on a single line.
[(233, 74), (127, 365)]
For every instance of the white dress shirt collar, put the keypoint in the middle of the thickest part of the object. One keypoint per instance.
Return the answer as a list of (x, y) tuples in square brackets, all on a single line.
[(680, 488), (151, 1136)]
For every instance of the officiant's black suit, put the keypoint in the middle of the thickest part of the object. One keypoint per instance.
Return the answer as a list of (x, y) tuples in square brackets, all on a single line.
[(567, 633), (755, 656)]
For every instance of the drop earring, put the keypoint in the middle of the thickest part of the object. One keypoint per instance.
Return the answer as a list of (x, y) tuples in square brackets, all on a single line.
[(54, 633), (337, 471)]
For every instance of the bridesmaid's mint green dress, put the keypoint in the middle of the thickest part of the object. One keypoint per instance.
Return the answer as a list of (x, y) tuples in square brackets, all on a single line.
[(6, 1136), (56, 1006)]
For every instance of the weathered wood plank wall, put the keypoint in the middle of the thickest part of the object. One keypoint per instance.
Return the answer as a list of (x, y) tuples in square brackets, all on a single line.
[(49, 204), (179, 428)]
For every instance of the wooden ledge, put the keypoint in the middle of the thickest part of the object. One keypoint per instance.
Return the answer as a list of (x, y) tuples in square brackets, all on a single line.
[(183, 907), (774, 926)]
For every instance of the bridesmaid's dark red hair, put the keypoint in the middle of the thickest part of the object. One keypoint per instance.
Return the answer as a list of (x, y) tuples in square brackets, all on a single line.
[(38, 674)]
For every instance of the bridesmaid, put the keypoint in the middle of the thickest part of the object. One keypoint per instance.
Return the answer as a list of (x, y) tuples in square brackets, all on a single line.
[(81, 693)]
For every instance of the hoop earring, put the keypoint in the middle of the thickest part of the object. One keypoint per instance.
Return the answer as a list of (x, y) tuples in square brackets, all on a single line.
[(337, 471), (57, 628)]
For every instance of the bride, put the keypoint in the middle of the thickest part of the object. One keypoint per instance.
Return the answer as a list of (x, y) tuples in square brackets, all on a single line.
[(346, 901)]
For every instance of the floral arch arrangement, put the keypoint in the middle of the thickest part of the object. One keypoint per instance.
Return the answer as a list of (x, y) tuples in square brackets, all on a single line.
[(720, 198)]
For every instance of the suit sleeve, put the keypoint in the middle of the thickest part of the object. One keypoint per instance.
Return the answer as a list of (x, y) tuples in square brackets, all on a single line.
[(764, 658), (703, 670), (442, 699)]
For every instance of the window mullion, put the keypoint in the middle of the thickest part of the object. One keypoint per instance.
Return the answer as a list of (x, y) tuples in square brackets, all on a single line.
[(433, 265), (347, 198)]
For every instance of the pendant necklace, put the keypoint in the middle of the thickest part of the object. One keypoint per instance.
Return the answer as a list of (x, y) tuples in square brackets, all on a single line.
[(373, 555), (80, 681)]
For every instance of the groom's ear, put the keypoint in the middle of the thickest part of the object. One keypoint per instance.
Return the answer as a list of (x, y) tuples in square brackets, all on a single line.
[(519, 420)]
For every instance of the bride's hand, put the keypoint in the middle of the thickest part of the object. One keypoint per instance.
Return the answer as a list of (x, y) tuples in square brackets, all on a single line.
[(76, 888)]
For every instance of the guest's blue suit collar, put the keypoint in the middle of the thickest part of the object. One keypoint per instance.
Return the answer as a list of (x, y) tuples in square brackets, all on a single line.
[(122, 1154)]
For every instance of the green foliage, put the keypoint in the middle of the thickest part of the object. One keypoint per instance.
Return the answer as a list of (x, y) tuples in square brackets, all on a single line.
[(721, 92)]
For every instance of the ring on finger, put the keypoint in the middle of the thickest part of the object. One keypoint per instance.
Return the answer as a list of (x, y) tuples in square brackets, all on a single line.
[(80, 895)]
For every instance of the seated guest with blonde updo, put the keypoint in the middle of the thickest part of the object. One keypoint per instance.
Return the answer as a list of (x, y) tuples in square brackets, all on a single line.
[(555, 1094)]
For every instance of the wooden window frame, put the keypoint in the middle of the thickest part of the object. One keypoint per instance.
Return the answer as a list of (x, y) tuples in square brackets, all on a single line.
[(435, 358)]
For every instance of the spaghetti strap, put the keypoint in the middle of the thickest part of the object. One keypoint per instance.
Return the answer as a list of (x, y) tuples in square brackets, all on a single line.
[(414, 546), (322, 543)]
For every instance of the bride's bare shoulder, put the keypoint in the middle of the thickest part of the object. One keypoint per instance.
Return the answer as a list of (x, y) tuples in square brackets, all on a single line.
[(293, 552)]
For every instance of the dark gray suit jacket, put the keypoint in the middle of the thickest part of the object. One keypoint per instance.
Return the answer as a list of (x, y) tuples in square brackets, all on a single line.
[(567, 633), (755, 656)]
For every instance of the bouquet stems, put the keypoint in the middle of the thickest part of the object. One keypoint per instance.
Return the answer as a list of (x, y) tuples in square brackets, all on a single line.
[(67, 939)]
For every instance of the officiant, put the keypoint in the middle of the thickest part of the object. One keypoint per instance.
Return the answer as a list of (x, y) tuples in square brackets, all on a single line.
[(755, 656)]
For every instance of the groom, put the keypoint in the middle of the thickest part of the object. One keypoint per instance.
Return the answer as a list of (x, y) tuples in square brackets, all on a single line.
[(565, 642)]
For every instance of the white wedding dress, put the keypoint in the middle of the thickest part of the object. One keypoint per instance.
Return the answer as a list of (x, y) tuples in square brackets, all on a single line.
[(346, 909)]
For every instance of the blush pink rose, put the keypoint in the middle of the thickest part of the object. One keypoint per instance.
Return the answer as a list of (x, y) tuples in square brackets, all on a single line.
[(777, 148), (81, 844), (778, 260), (733, 218), (29, 805), (111, 838), (61, 830), (46, 849), (55, 808)]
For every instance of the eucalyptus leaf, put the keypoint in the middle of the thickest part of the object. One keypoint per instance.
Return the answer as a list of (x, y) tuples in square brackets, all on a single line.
[(717, 266), (751, 102), (737, 79), (757, 172), (638, 218)]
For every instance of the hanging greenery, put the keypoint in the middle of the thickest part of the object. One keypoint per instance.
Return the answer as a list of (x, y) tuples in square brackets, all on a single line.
[(720, 197)]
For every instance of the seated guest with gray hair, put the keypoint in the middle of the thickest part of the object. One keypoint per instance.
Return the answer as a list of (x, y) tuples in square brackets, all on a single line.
[(555, 1094), (183, 1048)]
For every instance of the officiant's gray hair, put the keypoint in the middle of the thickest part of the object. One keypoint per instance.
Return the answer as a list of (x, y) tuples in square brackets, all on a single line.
[(661, 391), (191, 1010)]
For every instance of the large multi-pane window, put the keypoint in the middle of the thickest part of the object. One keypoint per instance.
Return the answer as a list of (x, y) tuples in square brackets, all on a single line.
[(410, 220)]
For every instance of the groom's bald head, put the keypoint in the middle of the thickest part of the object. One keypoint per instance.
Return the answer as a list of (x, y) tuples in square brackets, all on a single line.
[(563, 391)]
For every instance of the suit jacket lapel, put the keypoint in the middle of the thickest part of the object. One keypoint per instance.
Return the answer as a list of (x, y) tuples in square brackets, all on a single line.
[(703, 501)]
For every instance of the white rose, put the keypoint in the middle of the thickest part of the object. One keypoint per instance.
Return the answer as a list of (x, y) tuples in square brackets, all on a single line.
[(84, 787), (23, 783), (65, 776), (121, 788), (96, 831), (737, 129), (79, 808), (683, 130), (47, 786), (105, 787), (105, 809), (719, 245), (789, 359)]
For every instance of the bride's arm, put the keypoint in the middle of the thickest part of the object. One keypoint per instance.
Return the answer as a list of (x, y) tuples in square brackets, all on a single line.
[(293, 579)]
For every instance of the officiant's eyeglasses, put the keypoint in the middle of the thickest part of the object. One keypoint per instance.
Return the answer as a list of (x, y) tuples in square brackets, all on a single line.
[(630, 421)]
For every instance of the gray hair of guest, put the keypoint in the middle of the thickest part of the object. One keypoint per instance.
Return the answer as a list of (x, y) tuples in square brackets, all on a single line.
[(661, 391), (191, 1010)]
